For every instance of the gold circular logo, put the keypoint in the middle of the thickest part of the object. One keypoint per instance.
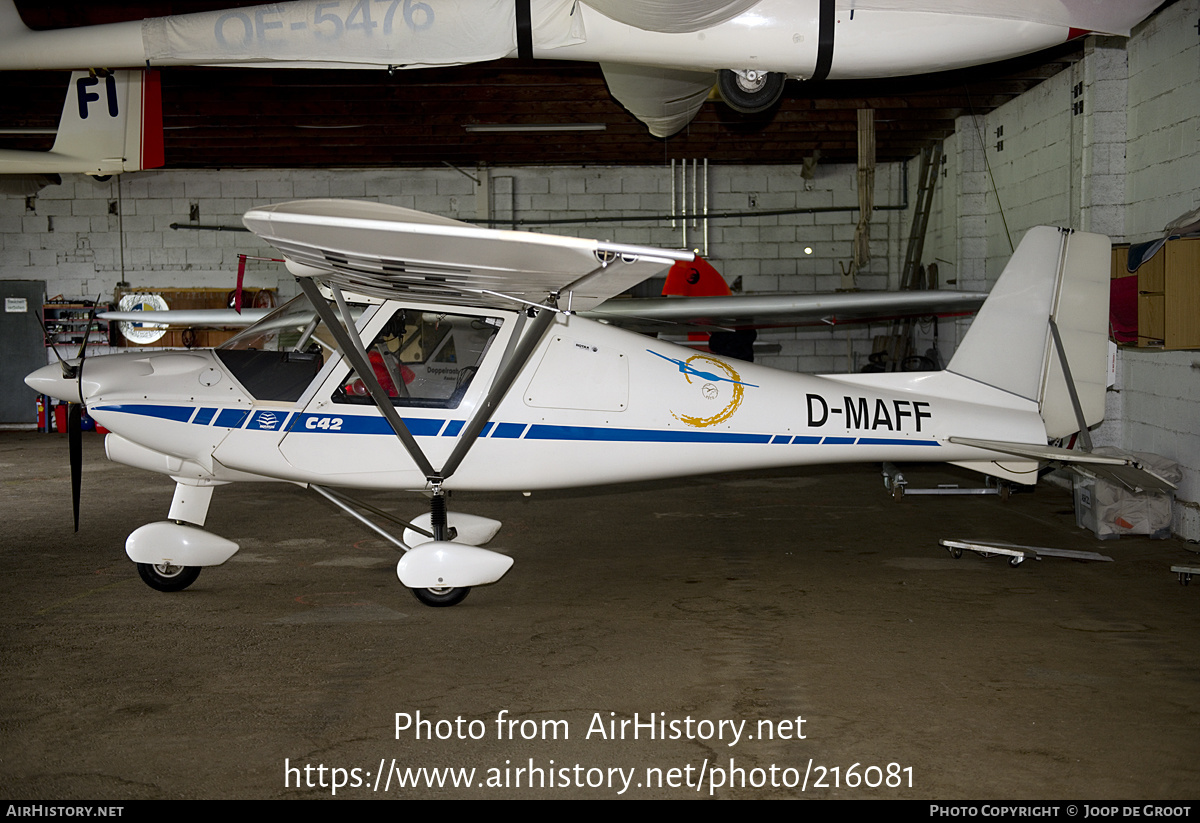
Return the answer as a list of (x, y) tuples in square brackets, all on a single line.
[(735, 380)]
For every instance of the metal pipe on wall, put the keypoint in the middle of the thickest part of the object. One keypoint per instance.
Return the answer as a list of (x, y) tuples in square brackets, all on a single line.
[(695, 211), (672, 192), (683, 201)]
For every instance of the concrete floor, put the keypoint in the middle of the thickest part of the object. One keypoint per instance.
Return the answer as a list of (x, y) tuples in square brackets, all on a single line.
[(806, 593)]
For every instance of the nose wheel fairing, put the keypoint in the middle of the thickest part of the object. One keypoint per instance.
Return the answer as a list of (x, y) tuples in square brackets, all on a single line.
[(177, 544)]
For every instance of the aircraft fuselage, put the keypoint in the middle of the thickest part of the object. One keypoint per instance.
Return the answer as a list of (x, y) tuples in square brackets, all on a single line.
[(594, 404)]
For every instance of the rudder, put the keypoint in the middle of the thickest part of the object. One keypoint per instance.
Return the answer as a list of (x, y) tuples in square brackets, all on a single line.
[(1058, 274)]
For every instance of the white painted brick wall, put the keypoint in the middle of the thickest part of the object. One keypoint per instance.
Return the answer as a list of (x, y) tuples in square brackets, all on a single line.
[(82, 255), (1163, 159), (1161, 390), (1125, 167)]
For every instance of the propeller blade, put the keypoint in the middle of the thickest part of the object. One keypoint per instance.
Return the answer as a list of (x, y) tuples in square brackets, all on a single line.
[(66, 367), (75, 415), (87, 332), (77, 372), (75, 440)]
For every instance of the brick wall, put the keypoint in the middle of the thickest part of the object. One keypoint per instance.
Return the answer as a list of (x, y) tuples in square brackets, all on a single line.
[(71, 235), (1111, 145)]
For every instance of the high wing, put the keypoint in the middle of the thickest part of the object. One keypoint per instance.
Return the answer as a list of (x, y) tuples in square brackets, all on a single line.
[(387, 251), (757, 311)]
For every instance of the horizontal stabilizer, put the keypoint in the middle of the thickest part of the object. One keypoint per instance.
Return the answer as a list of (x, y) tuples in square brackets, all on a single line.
[(1124, 470)]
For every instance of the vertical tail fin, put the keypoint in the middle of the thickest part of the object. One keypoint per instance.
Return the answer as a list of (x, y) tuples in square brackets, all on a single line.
[(1054, 274), (109, 124)]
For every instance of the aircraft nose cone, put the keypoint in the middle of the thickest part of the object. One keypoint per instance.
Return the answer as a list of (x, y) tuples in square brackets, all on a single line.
[(49, 380)]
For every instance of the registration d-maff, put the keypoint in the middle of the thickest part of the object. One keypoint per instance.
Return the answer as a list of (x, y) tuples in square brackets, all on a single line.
[(653, 726)]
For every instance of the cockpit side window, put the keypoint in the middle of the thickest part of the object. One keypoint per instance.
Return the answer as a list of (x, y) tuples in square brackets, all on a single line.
[(272, 375), (424, 359)]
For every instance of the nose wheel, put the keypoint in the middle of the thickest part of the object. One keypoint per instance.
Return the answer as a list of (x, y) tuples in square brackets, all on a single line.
[(167, 577)]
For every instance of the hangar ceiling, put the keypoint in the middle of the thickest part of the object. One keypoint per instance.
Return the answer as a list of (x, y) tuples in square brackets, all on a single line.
[(294, 118)]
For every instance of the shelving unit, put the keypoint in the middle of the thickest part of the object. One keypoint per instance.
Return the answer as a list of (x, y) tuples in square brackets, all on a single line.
[(67, 321), (1168, 294)]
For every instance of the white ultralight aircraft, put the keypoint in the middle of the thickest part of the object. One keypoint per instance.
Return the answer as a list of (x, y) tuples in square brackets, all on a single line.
[(431, 355)]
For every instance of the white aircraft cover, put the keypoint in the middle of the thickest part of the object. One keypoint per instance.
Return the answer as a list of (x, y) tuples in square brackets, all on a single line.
[(424, 33), (665, 100), (408, 34), (1105, 16), (389, 251), (671, 16)]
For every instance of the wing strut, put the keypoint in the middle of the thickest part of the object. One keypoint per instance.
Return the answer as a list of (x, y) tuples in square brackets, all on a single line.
[(504, 379), (350, 343), (1085, 439)]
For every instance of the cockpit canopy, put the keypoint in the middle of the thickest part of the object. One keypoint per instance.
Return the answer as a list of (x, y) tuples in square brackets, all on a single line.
[(420, 357)]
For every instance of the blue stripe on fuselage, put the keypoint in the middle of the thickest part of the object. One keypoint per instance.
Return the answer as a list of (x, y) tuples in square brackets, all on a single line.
[(427, 427)]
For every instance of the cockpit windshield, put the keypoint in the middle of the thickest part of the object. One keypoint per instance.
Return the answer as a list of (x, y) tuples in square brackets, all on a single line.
[(278, 357)]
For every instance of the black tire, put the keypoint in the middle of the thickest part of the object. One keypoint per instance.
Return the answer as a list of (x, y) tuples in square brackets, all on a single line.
[(750, 98), (166, 578), (442, 597)]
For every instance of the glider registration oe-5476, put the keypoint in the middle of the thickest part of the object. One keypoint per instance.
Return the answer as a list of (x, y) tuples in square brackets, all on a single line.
[(660, 59), (429, 355)]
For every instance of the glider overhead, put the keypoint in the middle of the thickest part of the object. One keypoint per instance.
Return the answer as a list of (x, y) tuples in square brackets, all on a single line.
[(437, 356), (660, 60)]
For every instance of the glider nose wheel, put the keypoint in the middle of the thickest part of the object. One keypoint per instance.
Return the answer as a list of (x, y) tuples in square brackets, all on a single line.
[(749, 92), (444, 596), (167, 577)]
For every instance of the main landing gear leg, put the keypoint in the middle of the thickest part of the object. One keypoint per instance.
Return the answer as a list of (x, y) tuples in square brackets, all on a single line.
[(443, 595)]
